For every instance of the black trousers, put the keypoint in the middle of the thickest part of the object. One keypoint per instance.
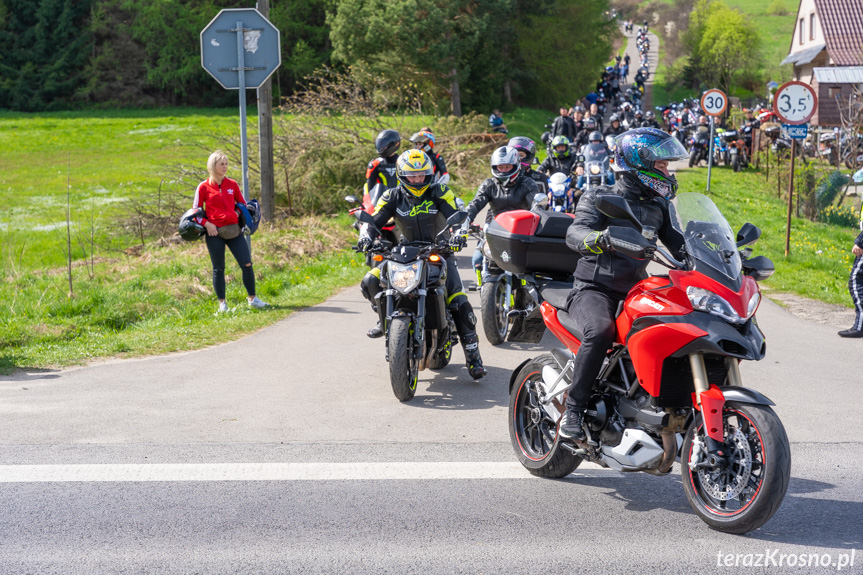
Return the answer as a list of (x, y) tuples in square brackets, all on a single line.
[(855, 287), (593, 310), (240, 249)]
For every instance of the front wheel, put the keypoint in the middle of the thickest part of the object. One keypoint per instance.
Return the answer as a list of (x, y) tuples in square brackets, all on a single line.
[(403, 368), (735, 162), (533, 425), (495, 322), (743, 494), (692, 157)]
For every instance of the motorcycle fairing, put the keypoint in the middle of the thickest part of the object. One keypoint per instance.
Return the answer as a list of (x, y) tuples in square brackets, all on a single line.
[(651, 346), (711, 403)]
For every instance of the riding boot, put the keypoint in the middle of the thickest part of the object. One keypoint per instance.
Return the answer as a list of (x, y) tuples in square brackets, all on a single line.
[(470, 344)]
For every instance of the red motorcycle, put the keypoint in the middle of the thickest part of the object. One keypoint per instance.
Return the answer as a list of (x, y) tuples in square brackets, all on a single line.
[(670, 388)]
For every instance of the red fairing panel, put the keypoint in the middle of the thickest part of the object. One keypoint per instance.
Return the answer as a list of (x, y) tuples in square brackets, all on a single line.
[(549, 315), (712, 402), (649, 348), (738, 300), (520, 222)]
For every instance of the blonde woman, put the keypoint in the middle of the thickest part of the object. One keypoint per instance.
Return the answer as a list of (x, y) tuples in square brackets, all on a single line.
[(218, 195)]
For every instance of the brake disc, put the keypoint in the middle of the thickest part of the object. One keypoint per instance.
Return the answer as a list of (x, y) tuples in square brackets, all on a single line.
[(728, 483)]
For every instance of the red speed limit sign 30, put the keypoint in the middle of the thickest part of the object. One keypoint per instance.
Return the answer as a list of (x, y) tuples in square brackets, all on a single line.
[(795, 102), (714, 102)]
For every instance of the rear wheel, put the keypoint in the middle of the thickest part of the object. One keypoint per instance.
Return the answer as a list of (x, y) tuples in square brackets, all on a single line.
[(441, 360), (747, 491), (533, 425), (735, 162), (403, 368), (495, 323)]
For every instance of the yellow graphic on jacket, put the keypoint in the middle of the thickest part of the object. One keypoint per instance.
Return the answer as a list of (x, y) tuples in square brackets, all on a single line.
[(423, 208)]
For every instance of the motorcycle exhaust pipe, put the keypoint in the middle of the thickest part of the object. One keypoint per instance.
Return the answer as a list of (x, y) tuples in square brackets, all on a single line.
[(669, 451)]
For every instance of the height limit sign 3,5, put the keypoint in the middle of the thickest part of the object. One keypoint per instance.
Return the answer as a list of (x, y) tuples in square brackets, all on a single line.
[(795, 102)]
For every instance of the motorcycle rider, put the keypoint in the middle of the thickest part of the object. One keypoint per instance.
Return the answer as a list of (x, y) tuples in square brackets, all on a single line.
[(563, 125), (417, 204), (650, 120), (509, 189), (526, 149), (560, 159), (578, 118), (382, 170), (750, 124), (590, 125), (424, 140), (603, 277), (614, 128), (594, 138)]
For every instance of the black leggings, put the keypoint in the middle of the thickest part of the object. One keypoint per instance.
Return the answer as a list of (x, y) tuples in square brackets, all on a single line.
[(240, 249)]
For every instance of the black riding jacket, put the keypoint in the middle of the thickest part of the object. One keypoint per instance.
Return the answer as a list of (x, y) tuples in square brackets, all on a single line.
[(417, 219), (552, 165), (612, 131), (382, 171), (541, 180), (500, 199), (564, 126), (610, 270)]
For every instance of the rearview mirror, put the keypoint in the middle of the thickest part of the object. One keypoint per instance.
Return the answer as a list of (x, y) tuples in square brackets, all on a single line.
[(539, 200), (748, 235), (352, 199), (617, 207)]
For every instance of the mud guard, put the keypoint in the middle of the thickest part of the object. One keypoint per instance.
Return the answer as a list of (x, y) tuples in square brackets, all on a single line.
[(515, 373)]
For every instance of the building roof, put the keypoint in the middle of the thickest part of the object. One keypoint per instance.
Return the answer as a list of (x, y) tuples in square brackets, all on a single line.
[(842, 24), (804, 56), (839, 75)]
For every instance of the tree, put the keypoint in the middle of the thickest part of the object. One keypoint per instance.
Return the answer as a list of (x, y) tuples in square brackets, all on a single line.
[(434, 43), (728, 47), (563, 46), (43, 52)]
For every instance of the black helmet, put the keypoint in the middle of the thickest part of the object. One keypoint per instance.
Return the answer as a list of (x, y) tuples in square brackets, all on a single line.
[(190, 230), (594, 136), (578, 108), (590, 123), (637, 152), (526, 145), (387, 143), (614, 118)]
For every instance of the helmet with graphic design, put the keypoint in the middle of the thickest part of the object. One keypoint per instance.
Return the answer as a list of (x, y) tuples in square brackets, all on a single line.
[(524, 146), (423, 141), (415, 172), (560, 147), (638, 151), (506, 165), (387, 143)]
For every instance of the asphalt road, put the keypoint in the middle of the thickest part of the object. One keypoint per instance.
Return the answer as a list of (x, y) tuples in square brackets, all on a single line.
[(286, 452)]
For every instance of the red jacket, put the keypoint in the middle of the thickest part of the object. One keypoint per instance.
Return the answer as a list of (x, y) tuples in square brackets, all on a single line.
[(218, 201)]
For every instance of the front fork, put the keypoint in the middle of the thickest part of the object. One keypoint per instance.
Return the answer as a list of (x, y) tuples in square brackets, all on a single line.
[(710, 402)]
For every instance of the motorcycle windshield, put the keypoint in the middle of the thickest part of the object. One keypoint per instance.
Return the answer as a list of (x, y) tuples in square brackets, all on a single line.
[(709, 239), (595, 153)]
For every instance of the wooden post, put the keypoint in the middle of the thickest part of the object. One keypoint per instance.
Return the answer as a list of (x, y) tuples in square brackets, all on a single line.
[(790, 198), (265, 136)]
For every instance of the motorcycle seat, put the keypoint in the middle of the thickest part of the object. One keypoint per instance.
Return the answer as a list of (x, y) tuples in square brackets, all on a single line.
[(556, 293), (566, 321)]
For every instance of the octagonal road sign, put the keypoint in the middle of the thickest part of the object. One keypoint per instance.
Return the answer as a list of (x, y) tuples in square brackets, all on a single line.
[(262, 48)]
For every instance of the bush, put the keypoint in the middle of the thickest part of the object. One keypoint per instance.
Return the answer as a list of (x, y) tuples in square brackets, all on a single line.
[(777, 8)]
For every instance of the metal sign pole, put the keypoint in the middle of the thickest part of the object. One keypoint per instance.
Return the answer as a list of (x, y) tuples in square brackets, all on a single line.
[(710, 154), (241, 70)]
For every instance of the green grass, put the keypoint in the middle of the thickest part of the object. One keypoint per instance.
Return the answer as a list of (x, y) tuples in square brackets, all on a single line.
[(820, 255), (775, 30), (163, 301)]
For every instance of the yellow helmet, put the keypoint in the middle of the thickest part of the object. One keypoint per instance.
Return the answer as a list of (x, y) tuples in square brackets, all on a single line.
[(415, 163)]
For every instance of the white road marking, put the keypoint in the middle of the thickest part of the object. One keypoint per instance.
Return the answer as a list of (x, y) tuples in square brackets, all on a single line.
[(267, 471)]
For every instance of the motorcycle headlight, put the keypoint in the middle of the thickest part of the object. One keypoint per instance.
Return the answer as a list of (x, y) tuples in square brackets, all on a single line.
[(704, 300), (486, 251), (594, 169), (753, 305), (404, 277)]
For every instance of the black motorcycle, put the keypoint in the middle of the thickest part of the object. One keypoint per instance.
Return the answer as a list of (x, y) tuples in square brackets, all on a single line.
[(420, 332), (699, 145)]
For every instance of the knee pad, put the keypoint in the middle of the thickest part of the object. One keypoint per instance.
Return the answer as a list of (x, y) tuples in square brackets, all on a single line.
[(465, 319), (370, 286)]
